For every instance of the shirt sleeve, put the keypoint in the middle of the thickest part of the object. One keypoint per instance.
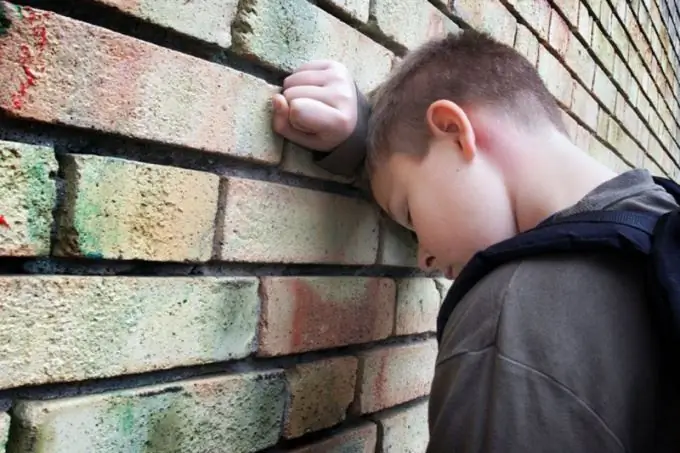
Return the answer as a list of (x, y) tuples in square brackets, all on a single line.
[(347, 158), (483, 402)]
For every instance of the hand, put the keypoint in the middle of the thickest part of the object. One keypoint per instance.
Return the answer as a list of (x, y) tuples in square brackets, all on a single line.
[(318, 106)]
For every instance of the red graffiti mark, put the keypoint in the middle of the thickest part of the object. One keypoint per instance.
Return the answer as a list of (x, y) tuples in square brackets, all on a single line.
[(30, 54), (3, 222)]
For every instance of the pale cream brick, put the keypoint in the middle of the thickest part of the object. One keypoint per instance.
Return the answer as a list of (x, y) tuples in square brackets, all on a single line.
[(357, 9), (584, 106), (559, 34), (535, 12), (527, 44), (585, 23), (604, 89), (618, 34), (491, 17), (580, 61), (605, 15), (570, 9), (603, 120), (404, 430), (555, 76), (603, 49)]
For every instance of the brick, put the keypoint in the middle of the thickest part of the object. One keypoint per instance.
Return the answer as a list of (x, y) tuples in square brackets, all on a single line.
[(320, 393), (603, 120), (583, 137), (491, 17), (570, 124), (4, 431), (128, 87), (404, 429), (28, 194), (417, 306), (284, 35), (601, 153), (615, 134), (398, 246), (392, 375), (606, 16), (585, 23), (559, 35), (527, 44), (273, 223), (360, 439), (619, 36), (300, 161), (570, 10), (535, 12), (310, 313), (555, 76), (584, 106), (580, 61), (357, 9), (242, 411), (207, 20), (650, 165), (621, 73), (411, 22), (443, 285), (604, 89), (603, 49), (120, 209), (52, 325)]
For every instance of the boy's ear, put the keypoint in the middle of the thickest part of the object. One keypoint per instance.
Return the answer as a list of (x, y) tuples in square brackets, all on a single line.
[(447, 120)]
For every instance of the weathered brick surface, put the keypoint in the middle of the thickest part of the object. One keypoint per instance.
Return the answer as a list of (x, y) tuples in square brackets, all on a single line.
[(310, 313), (4, 431), (128, 87), (411, 22), (559, 35), (120, 209), (300, 161), (392, 375), (27, 196), (604, 89), (404, 430), (64, 328), (555, 76), (603, 48), (570, 10), (527, 44), (360, 439), (398, 246), (585, 23), (241, 411), (266, 222), (357, 9), (536, 13), (443, 285), (491, 17), (584, 106), (284, 35), (320, 393), (417, 306), (208, 20)]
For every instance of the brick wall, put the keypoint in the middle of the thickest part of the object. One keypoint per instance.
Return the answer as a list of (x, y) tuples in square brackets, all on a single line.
[(174, 277)]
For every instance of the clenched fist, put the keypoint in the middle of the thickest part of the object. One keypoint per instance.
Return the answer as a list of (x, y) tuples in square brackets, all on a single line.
[(318, 106)]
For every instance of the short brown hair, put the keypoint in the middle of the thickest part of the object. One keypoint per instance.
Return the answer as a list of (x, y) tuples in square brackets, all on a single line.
[(469, 68)]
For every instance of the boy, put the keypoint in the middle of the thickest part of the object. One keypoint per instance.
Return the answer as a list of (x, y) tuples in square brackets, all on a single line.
[(466, 147)]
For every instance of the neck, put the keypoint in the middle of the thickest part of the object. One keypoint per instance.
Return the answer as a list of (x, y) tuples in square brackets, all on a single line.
[(551, 175)]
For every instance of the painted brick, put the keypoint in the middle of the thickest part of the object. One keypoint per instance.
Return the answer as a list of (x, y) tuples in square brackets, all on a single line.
[(28, 194), (242, 411), (585, 23), (584, 106), (132, 88), (310, 313), (392, 375), (603, 49), (284, 35), (535, 12), (404, 429), (320, 393), (300, 161), (398, 246), (570, 10), (120, 209), (360, 439), (357, 9), (207, 20), (603, 120), (267, 222), (411, 22), (4, 431), (527, 44), (559, 35), (491, 17), (604, 89), (555, 76), (417, 306), (152, 323), (580, 61)]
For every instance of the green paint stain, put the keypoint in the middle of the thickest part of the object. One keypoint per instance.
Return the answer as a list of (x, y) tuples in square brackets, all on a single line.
[(127, 419)]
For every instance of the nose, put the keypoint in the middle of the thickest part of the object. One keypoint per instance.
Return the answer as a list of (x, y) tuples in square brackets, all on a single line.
[(425, 260)]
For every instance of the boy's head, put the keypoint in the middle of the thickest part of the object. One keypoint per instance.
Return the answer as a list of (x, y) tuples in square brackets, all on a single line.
[(444, 137)]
